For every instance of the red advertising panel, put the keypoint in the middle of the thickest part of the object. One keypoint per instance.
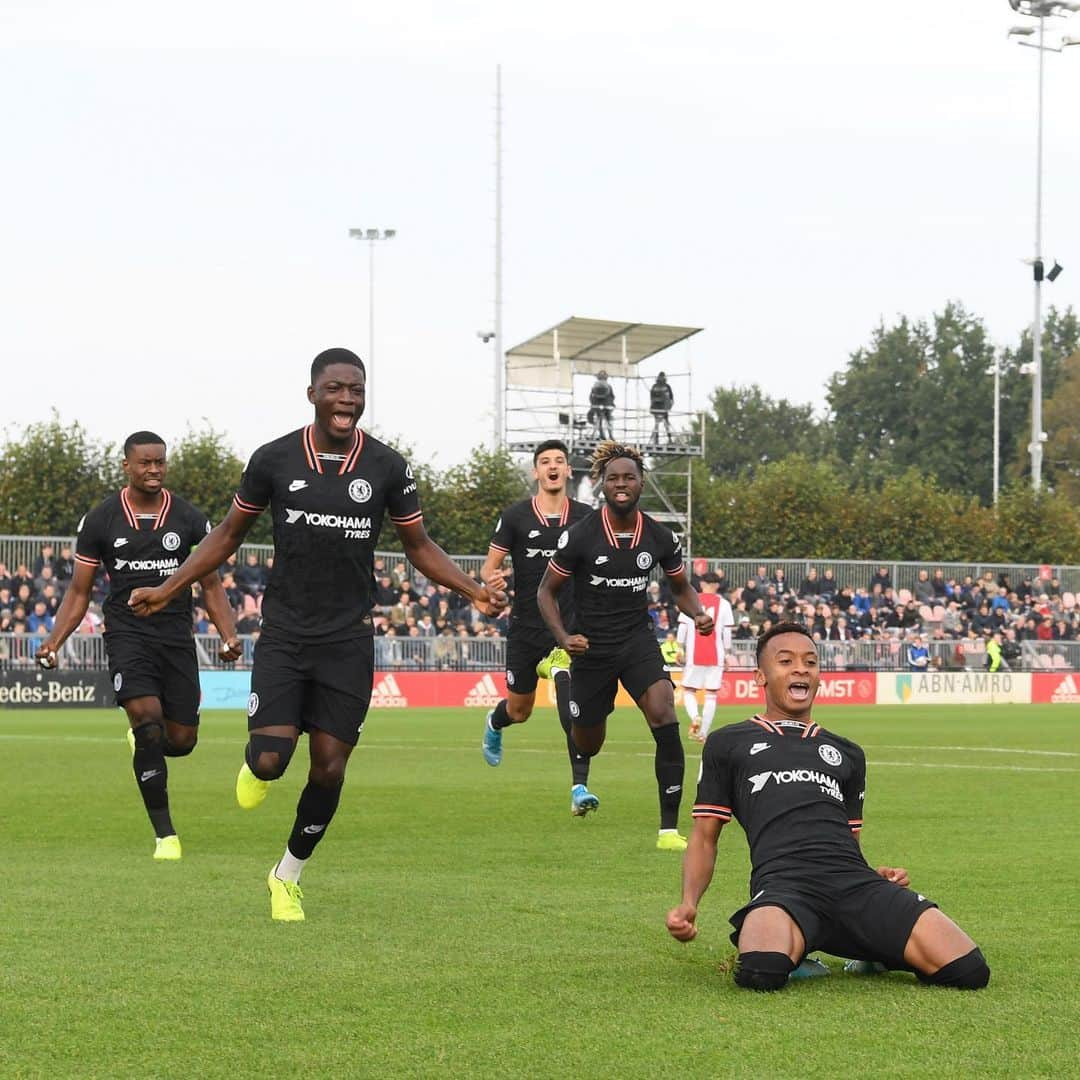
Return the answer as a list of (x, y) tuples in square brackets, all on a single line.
[(837, 688), (1055, 688)]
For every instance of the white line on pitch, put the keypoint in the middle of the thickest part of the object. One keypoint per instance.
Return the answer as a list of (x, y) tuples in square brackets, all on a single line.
[(974, 749)]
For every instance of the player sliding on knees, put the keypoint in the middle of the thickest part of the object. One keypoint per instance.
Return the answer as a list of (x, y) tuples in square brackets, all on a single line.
[(797, 790), (139, 536), (527, 531), (327, 486), (609, 555)]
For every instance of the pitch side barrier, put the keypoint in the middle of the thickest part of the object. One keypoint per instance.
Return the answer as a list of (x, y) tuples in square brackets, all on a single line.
[(16, 550), (469, 673)]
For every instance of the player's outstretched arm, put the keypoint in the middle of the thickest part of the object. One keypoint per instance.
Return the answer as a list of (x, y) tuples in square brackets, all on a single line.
[(70, 613), (221, 541), (434, 563), (217, 607), (491, 573), (698, 864), (547, 600), (689, 602)]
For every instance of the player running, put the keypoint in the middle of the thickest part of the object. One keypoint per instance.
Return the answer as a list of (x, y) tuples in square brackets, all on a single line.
[(527, 532), (797, 790), (140, 536), (703, 656), (609, 556), (327, 487)]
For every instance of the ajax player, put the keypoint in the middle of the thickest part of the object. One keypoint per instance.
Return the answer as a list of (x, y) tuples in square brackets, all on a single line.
[(702, 656)]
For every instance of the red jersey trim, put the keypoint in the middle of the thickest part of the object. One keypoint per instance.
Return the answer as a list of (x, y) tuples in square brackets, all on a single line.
[(708, 810), (308, 440), (246, 507), (497, 547), (564, 515), (768, 725), (553, 565), (680, 569), (129, 510), (87, 561), (609, 531), (349, 463), (409, 519)]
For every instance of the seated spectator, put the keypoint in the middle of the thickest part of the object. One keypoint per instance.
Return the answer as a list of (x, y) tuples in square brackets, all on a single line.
[(810, 586), (47, 558), (445, 650), (829, 589), (1044, 631), (743, 630), (384, 592), (39, 621), (779, 581), (918, 655), (909, 615), (64, 568), (982, 620), (924, 589), (940, 586), (251, 577), (882, 577), (953, 621), (232, 592)]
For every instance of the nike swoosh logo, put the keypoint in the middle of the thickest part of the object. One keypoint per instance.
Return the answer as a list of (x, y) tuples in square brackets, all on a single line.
[(149, 775), (296, 485)]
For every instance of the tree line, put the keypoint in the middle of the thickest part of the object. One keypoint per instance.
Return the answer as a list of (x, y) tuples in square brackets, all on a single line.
[(898, 466)]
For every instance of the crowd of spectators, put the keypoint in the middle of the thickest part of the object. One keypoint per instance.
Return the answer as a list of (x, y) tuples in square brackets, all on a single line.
[(941, 622)]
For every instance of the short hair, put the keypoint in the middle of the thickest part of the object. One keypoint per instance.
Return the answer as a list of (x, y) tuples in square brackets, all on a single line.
[(335, 356), (777, 630), (141, 438), (712, 577), (551, 444), (609, 450)]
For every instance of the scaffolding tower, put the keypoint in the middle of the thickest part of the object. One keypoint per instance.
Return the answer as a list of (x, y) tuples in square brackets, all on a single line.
[(547, 396)]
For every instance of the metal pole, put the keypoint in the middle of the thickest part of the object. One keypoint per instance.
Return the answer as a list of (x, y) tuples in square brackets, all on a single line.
[(997, 424), (499, 389), (1036, 335), (369, 408)]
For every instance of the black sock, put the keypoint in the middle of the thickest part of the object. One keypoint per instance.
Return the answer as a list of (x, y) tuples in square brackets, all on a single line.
[(670, 766), (579, 763), (314, 812), (499, 716), (152, 776)]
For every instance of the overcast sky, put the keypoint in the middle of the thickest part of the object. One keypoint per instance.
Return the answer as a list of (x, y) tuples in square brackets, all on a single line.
[(178, 182)]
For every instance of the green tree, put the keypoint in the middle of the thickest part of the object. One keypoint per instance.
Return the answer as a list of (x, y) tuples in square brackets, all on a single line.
[(745, 428), (205, 470), (51, 474), (1061, 417), (918, 396)]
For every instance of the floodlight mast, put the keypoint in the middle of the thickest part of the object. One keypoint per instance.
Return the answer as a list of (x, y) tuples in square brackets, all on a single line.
[(372, 236), (1041, 10)]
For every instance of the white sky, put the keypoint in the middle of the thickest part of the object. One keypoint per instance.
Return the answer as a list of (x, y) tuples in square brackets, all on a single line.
[(177, 182)]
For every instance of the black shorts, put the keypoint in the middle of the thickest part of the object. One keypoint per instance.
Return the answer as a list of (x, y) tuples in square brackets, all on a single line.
[(525, 648), (325, 685), (595, 677), (144, 666), (854, 913)]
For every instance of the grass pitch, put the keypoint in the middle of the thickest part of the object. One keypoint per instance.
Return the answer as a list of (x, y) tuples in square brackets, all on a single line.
[(461, 923)]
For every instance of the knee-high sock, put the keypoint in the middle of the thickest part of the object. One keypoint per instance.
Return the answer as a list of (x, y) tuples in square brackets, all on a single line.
[(579, 763), (152, 776), (314, 812), (670, 766), (689, 698), (708, 712)]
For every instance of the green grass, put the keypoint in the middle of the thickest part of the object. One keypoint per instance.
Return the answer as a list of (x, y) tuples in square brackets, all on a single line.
[(461, 923)]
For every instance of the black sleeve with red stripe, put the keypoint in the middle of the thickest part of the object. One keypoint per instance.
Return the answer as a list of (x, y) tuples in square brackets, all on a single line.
[(402, 498), (854, 789), (714, 790), (256, 485), (671, 556), (90, 548)]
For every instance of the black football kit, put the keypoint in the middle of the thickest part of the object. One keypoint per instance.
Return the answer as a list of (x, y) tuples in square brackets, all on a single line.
[(798, 790), (314, 661), (528, 536), (610, 574), (154, 656)]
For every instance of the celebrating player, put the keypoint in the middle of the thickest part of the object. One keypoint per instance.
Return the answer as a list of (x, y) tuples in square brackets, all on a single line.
[(609, 555), (797, 790), (703, 655), (327, 487), (139, 536), (527, 532)]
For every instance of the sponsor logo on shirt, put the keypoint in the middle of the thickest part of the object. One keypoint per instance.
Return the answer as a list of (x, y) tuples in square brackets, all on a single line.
[(532, 553), (828, 784), (360, 490), (829, 754), (533, 533), (297, 485), (165, 567), (601, 559), (120, 541), (170, 541), (355, 528), (636, 584)]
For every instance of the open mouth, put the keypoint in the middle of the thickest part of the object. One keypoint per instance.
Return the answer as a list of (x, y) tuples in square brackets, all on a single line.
[(342, 421), (799, 691)]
